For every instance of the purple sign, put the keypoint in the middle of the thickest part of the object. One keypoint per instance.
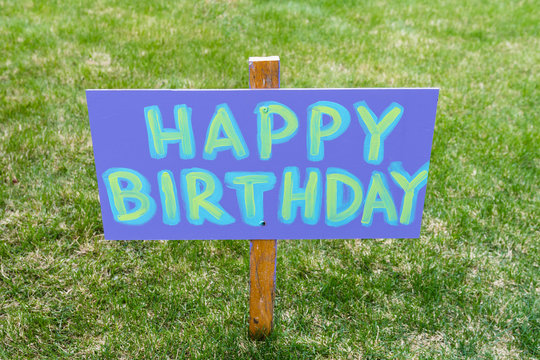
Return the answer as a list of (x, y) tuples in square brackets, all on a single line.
[(262, 164)]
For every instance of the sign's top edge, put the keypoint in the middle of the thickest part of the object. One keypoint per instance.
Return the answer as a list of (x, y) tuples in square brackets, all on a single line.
[(263, 58), (275, 89)]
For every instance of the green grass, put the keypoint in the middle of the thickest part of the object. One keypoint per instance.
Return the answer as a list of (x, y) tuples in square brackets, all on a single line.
[(468, 288)]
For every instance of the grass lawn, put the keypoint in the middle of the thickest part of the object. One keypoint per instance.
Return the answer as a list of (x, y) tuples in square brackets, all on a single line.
[(468, 288)]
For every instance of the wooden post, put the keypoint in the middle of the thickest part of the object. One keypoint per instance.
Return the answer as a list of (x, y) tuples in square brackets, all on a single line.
[(263, 74)]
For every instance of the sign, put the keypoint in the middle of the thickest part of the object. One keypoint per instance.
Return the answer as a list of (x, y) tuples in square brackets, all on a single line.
[(262, 164)]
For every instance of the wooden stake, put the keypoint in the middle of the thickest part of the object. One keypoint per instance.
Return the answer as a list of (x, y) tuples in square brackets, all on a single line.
[(263, 74)]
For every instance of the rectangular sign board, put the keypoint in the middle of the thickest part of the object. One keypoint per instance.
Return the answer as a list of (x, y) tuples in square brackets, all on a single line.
[(262, 164)]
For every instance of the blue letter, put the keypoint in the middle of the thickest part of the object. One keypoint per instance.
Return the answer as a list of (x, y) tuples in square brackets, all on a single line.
[(223, 122), (169, 198), (158, 137), (202, 191), (265, 122), (376, 131), (292, 196), (249, 188), (129, 196), (342, 207), (379, 188), (318, 133), (411, 185)]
